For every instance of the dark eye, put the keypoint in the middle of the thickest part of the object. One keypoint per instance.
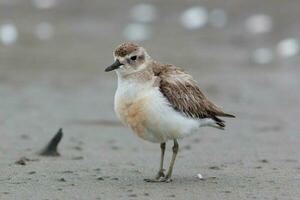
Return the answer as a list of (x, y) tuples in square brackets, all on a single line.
[(133, 57)]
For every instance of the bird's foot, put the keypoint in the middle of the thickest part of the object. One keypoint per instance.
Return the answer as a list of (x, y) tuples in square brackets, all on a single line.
[(159, 178), (160, 175), (166, 179)]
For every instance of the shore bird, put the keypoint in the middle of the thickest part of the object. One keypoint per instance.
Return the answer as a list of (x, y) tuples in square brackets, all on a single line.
[(159, 102)]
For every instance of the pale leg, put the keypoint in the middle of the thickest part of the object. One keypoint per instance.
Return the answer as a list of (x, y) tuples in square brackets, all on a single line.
[(161, 170), (175, 149)]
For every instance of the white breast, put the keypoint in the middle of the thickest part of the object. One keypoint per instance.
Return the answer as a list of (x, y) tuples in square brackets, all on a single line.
[(147, 112)]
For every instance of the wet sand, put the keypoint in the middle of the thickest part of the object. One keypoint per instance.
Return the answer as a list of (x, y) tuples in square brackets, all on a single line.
[(60, 83)]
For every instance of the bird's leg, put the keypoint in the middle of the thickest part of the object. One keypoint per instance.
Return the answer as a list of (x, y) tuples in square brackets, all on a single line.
[(161, 170), (162, 156), (175, 149)]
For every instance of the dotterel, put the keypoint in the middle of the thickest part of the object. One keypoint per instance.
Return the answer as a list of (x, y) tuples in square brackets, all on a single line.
[(159, 102)]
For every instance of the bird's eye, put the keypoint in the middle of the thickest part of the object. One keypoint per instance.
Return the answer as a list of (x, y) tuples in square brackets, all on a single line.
[(133, 57)]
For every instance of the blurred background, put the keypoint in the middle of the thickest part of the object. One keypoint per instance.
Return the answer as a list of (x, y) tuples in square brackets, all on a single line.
[(244, 55)]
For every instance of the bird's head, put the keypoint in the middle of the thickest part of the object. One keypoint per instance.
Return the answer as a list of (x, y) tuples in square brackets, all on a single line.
[(129, 58)]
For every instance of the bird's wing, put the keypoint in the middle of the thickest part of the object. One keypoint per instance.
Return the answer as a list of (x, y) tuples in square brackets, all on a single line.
[(184, 95)]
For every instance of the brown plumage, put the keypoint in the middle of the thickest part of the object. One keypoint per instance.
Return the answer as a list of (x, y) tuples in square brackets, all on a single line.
[(140, 104), (125, 49), (184, 95)]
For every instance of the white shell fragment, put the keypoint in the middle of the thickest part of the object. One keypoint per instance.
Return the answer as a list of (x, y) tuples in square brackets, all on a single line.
[(288, 47), (262, 56), (137, 32), (194, 18), (200, 176), (8, 34), (143, 13), (258, 24)]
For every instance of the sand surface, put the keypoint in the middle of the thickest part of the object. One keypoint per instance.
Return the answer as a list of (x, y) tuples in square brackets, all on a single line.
[(60, 83)]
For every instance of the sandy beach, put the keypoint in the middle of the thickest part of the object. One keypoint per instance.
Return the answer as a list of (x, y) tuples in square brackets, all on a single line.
[(61, 83)]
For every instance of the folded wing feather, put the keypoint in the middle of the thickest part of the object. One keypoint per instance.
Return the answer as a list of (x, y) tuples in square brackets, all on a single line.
[(184, 95)]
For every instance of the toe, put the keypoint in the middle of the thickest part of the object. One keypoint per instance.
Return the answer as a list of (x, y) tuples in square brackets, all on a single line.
[(166, 180), (159, 175)]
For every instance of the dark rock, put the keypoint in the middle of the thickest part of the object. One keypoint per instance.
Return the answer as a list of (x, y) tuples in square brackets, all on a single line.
[(51, 148)]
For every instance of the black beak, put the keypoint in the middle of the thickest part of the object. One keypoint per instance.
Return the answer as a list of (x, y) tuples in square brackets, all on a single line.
[(114, 66)]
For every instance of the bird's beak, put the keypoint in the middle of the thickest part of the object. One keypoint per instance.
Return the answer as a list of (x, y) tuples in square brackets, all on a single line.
[(114, 66)]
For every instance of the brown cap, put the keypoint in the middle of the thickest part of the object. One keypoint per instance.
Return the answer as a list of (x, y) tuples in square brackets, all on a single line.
[(125, 49)]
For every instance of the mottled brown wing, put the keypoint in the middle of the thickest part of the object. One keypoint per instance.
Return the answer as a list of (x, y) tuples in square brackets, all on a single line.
[(184, 95)]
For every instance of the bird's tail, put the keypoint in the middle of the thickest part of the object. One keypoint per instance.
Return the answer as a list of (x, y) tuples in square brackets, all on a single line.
[(219, 123), (226, 115)]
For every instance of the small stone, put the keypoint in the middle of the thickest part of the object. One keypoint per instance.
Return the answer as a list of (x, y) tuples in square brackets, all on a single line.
[(215, 168), (62, 180), (100, 178), (32, 172), (264, 161), (22, 161)]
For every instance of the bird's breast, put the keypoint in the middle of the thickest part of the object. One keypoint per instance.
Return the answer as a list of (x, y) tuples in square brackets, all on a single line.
[(132, 112)]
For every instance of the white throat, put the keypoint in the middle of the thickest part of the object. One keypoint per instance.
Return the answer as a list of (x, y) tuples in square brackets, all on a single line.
[(130, 88)]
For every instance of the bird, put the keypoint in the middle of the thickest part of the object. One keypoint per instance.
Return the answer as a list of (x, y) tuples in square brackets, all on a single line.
[(159, 102)]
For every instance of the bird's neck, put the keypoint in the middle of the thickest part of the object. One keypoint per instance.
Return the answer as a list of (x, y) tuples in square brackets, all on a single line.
[(136, 83), (141, 77)]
